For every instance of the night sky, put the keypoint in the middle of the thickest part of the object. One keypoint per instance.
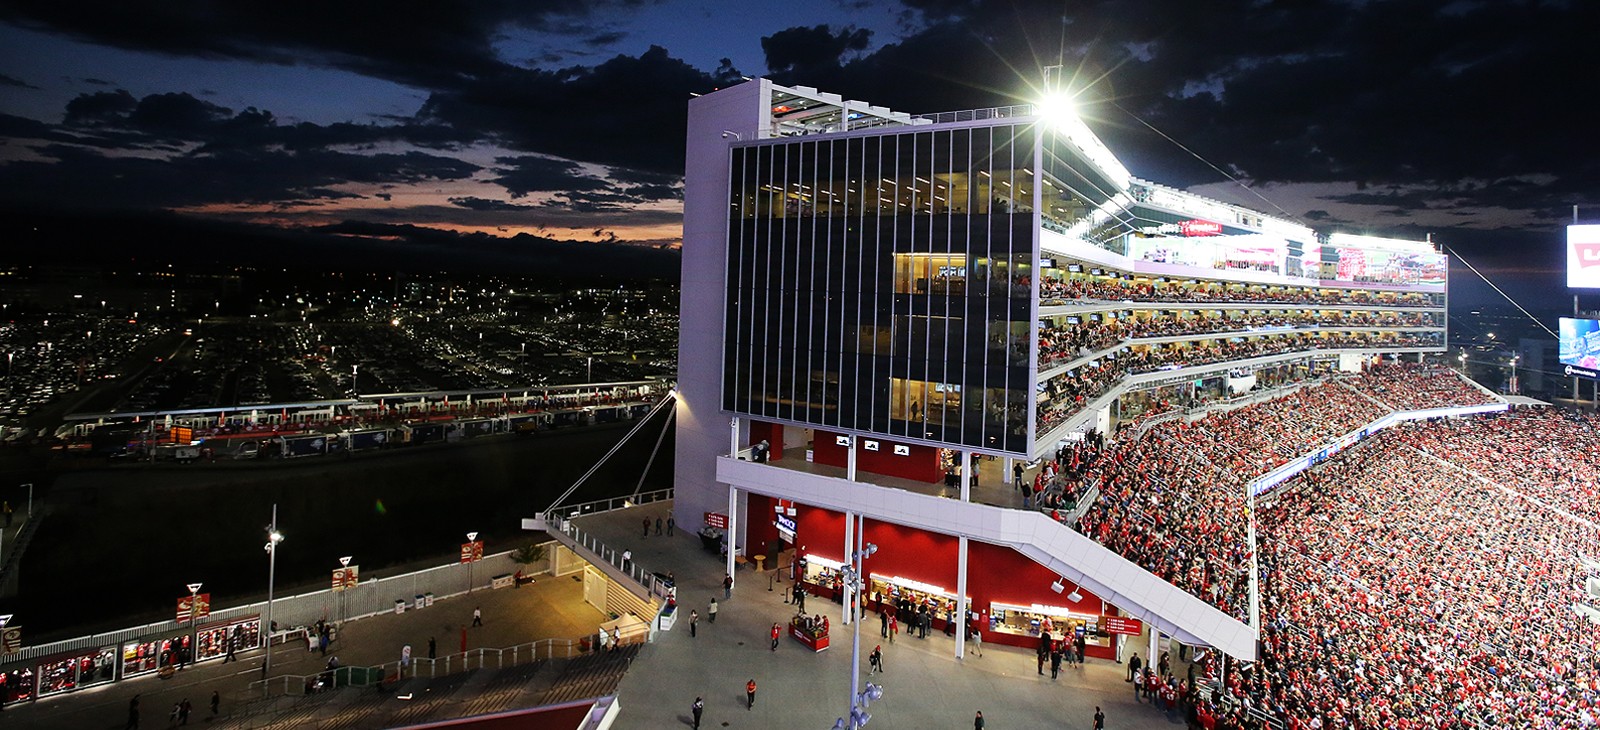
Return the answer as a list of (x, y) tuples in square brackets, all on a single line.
[(564, 119)]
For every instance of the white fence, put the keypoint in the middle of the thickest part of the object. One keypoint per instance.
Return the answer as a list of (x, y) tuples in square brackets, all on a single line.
[(369, 598)]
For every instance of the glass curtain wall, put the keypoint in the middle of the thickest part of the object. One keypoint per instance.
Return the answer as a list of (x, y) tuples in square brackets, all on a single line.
[(881, 283)]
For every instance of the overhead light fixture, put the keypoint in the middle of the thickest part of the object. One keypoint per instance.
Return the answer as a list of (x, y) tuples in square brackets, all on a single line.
[(1075, 596), (1056, 587)]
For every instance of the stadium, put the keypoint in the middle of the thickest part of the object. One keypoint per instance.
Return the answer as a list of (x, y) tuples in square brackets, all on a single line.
[(1066, 405)]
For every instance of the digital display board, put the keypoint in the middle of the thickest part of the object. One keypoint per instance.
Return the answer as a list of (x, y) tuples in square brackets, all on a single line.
[(1579, 346), (1583, 257)]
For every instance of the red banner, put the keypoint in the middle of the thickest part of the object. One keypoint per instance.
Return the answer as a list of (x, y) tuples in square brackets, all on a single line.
[(199, 610), (345, 578), (1122, 625), (717, 519), (471, 551), (1200, 228)]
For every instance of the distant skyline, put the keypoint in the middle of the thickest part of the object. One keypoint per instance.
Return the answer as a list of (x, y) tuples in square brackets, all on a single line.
[(564, 119)]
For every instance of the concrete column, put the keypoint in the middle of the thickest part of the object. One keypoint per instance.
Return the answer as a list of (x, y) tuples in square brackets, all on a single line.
[(1005, 472), (849, 549), (1155, 643), (961, 596), (850, 471), (733, 439), (966, 476), (733, 528)]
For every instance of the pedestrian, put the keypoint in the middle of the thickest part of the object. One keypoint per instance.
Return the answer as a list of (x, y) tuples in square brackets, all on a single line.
[(727, 587), (433, 648), (977, 722), (1081, 645), (694, 620), (894, 627), (1099, 719), (477, 618), (750, 694), (774, 637), (875, 659), (1138, 684), (1055, 662), (184, 708), (977, 641), (10, 513), (800, 599), (133, 714), (322, 643), (1133, 666), (883, 618), (216, 702), (670, 525), (695, 709), (1042, 652), (658, 527), (646, 527), (172, 718), (712, 611), (627, 557)]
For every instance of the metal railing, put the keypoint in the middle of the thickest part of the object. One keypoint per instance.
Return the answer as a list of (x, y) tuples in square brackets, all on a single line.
[(296, 684), (609, 504), (978, 115), (653, 585)]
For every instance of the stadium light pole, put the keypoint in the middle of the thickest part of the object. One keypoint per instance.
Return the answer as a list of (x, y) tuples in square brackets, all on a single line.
[(273, 539), (854, 585), (344, 588), (472, 562)]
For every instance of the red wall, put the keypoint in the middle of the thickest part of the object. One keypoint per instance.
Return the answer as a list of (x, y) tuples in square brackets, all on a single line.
[(761, 532), (922, 465), (772, 433)]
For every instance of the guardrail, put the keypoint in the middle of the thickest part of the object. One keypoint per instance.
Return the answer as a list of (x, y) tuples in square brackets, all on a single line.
[(654, 586), (613, 503), (974, 115), (354, 676)]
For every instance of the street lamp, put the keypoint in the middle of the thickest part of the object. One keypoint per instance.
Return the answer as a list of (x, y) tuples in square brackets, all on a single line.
[(194, 594), (354, 369), (857, 716), (273, 538), (472, 559), (344, 562)]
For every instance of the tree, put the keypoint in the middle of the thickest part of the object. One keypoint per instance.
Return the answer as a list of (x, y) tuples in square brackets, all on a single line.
[(528, 554)]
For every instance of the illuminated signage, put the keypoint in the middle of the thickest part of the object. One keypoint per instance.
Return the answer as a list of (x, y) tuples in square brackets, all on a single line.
[(1200, 228), (1122, 625), (1579, 345), (869, 445), (841, 440), (717, 520), (784, 522), (902, 450), (1583, 257)]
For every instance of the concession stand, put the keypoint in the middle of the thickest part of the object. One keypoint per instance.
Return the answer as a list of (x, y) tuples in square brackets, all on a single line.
[(810, 631), (1020, 625), (212, 639), (822, 576), (897, 591)]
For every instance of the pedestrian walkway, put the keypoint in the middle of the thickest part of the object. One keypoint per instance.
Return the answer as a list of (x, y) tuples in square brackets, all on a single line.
[(924, 685), (549, 608)]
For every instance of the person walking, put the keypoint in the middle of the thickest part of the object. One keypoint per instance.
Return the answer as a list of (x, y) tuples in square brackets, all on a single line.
[(774, 637), (1133, 666), (883, 617), (172, 717), (1099, 719), (712, 610), (977, 721), (184, 708), (1080, 645), (646, 528), (750, 694), (694, 621), (477, 617), (133, 714), (695, 709), (671, 524), (875, 660), (658, 527), (727, 587), (216, 702), (1138, 684), (433, 648), (977, 641), (894, 627)]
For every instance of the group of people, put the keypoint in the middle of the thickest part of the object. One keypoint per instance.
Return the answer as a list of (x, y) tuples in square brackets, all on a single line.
[(1067, 341), (1112, 288), (1415, 387), (1401, 589)]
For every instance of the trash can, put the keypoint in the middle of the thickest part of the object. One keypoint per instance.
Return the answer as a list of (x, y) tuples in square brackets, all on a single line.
[(399, 605), (429, 598), (421, 600)]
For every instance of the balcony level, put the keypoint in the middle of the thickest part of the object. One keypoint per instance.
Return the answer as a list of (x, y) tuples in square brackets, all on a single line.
[(1035, 535)]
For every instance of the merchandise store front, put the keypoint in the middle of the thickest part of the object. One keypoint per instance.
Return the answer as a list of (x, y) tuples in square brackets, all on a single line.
[(79, 669), (144, 656), (212, 640)]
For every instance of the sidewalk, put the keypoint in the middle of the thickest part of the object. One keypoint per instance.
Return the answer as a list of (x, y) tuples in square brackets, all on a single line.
[(550, 608), (924, 686)]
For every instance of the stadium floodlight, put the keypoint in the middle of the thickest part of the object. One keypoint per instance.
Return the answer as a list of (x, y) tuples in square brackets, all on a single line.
[(1056, 109)]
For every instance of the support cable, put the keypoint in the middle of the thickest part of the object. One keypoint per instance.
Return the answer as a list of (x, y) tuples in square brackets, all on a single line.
[(671, 397)]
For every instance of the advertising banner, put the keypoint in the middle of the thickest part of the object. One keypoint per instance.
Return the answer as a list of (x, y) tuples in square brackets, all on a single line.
[(10, 640), (471, 551), (1368, 265), (344, 578), (1583, 257), (1122, 625), (200, 609)]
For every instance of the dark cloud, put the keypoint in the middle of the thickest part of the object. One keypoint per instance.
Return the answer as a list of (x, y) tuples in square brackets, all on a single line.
[(428, 43), (801, 49), (481, 204), (530, 174), (14, 81)]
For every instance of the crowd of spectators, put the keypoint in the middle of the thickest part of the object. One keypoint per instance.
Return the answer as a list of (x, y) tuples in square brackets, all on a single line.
[(1052, 290), (1415, 387), (1072, 340), (1400, 592), (1555, 457)]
